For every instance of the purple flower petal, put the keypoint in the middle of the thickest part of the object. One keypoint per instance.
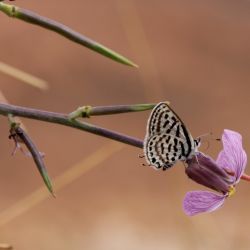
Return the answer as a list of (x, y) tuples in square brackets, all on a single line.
[(196, 202), (232, 157)]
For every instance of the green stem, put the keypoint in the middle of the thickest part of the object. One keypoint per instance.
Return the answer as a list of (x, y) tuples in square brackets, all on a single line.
[(34, 18), (36, 155), (88, 111)]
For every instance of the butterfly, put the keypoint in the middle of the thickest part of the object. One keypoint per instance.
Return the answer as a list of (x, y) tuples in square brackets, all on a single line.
[(167, 139)]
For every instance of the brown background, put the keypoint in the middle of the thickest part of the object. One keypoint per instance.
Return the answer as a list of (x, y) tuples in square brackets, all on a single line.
[(192, 53)]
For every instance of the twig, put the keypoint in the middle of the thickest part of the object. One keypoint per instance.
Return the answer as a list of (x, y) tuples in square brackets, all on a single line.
[(34, 18), (87, 111), (63, 119), (20, 136)]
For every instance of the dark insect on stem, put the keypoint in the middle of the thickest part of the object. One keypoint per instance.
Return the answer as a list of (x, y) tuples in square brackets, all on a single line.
[(13, 135)]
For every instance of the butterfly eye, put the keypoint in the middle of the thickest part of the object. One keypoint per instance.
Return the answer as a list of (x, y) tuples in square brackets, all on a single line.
[(197, 142)]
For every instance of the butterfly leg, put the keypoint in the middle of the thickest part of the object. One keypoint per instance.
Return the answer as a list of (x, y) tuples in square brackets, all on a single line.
[(184, 164), (197, 159), (141, 156), (166, 166), (145, 165)]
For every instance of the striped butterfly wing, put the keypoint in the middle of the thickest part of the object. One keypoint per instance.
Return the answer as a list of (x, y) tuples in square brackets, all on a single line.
[(167, 139)]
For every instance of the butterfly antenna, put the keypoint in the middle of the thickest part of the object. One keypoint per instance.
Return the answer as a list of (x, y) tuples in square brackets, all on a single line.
[(205, 135), (209, 134), (208, 145), (207, 141)]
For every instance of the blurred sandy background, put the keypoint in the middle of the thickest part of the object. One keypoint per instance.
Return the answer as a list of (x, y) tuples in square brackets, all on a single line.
[(195, 54)]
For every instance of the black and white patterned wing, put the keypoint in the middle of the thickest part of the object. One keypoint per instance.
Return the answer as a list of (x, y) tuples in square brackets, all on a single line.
[(164, 150), (164, 120), (167, 139), (160, 119)]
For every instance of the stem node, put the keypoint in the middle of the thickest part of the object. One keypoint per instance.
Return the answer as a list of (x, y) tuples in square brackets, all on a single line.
[(83, 111)]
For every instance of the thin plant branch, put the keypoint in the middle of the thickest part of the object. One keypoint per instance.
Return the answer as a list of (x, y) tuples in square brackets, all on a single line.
[(64, 119), (34, 18), (88, 111), (3, 99), (20, 136)]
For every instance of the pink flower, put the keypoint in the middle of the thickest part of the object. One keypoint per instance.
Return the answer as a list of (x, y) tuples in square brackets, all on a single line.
[(221, 175)]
